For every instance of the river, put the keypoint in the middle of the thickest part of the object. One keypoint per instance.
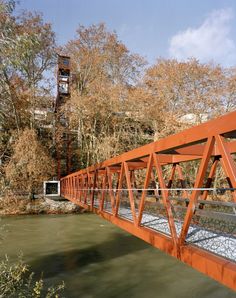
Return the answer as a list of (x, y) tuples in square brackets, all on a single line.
[(97, 259)]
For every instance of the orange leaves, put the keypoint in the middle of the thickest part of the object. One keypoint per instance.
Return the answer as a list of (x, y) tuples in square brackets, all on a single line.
[(30, 164), (98, 57)]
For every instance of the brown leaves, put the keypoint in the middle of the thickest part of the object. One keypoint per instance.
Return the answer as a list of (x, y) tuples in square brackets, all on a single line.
[(97, 56), (180, 89), (30, 163), (186, 87)]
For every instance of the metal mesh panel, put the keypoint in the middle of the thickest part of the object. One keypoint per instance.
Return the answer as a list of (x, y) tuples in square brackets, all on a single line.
[(213, 227), (154, 215)]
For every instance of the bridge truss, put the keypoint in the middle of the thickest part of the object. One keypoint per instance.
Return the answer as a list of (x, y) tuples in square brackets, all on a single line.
[(167, 194)]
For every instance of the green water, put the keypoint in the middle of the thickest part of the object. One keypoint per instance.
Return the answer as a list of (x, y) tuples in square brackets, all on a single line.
[(97, 259)]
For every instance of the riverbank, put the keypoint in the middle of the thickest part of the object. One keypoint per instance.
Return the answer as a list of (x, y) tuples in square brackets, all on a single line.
[(41, 205)]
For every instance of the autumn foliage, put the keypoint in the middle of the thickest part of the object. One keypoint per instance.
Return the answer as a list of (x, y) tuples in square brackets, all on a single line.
[(30, 164), (118, 101)]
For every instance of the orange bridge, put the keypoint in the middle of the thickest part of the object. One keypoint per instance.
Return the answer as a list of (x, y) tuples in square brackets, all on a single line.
[(166, 194)]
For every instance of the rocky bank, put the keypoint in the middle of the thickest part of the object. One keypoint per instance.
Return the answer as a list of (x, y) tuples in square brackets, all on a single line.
[(40, 205)]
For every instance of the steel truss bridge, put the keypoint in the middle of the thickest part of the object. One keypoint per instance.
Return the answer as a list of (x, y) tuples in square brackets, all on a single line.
[(166, 194)]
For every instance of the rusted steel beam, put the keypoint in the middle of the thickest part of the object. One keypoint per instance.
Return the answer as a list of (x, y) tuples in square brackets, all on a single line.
[(206, 262), (111, 193), (169, 213), (121, 175), (196, 134), (93, 189), (198, 183), (145, 186), (229, 164), (130, 192), (210, 178), (204, 142), (114, 169), (158, 240), (231, 148), (80, 187), (196, 149), (135, 164), (185, 158), (182, 181), (199, 148), (214, 266), (104, 184), (83, 188), (172, 176)]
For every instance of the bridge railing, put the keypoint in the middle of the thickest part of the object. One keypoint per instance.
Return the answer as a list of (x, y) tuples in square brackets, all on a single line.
[(169, 194), (178, 172), (212, 227)]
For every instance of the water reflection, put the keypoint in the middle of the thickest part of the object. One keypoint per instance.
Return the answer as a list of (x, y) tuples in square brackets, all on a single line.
[(96, 259), (77, 259)]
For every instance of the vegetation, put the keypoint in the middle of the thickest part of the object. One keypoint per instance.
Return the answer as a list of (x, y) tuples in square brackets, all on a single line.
[(29, 164), (16, 280), (27, 50), (117, 101)]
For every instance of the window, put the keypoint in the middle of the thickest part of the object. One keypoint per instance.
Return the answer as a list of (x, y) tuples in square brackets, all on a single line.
[(63, 87), (51, 188), (66, 61)]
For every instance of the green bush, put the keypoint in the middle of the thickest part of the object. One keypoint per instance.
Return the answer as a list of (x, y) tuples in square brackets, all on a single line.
[(16, 280)]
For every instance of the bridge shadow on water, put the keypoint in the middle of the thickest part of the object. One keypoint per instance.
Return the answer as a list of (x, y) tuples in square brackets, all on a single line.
[(88, 272), (77, 259)]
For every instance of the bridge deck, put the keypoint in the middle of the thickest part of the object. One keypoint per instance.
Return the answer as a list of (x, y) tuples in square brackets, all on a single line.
[(198, 229), (221, 244), (205, 249)]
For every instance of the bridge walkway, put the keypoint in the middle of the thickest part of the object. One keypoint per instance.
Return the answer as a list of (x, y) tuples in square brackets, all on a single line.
[(185, 216)]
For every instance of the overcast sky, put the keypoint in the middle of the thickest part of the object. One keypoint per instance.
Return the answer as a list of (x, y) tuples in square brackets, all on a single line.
[(205, 29)]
